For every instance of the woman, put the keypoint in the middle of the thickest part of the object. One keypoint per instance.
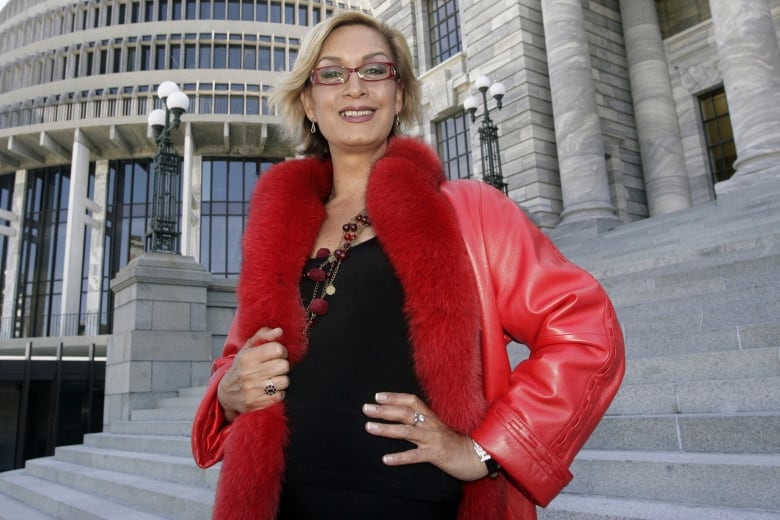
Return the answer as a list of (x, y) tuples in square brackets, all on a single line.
[(392, 396)]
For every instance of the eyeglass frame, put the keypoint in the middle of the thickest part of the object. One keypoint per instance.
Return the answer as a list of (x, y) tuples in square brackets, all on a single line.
[(356, 70)]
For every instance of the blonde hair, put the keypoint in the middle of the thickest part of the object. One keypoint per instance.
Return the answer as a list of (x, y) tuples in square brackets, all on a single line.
[(285, 97)]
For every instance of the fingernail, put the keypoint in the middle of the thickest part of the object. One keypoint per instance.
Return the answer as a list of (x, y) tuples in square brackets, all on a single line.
[(380, 397), (372, 426), (387, 459), (370, 408)]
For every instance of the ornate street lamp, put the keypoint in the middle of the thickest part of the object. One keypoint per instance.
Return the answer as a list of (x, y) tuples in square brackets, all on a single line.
[(488, 132), (164, 234)]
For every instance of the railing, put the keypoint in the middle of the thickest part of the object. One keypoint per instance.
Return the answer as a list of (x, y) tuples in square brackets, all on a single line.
[(77, 324)]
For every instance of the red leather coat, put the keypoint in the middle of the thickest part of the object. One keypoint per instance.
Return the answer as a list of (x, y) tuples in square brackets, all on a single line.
[(476, 273)]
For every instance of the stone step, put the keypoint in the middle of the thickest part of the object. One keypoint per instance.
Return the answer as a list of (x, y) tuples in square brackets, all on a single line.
[(187, 402), (659, 343), (694, 433), (153, 427), (168, 468), (712, 396), (648, 293), (12, 509), (185, 413), (699, 270), (63, 501), (697, 319), (193, 391), (607, 261), (711, 479), (162, 498), (175, 445), (731, 364), (578, 507)]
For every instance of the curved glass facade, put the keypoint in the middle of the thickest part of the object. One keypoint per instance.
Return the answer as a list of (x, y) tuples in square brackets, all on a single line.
[(77, 81)]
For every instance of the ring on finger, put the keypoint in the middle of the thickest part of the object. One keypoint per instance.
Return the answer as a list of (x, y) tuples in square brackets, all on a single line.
[(270, 388), (418, 418)]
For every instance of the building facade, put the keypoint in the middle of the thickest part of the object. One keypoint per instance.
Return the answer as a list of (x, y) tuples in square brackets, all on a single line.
[(615, 111)]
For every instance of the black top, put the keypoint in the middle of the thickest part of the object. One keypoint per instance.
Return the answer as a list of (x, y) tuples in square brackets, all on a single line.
[(360, 347)]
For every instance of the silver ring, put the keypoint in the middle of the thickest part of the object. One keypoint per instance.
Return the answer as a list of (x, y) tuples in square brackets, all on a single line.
[(270, 388), (418, 418)]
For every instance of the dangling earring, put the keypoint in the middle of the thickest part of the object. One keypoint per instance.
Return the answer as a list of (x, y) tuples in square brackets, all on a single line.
[(397, 119), (313, 127)]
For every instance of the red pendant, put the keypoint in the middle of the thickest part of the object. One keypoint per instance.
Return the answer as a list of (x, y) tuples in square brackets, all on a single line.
[(318, 306), (317, 274)]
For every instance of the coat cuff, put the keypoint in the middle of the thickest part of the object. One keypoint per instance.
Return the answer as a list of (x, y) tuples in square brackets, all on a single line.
[(209, 427), (523, 458)]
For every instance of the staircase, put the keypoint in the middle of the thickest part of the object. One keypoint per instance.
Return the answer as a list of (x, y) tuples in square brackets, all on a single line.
[(694, 432), (141, 470)]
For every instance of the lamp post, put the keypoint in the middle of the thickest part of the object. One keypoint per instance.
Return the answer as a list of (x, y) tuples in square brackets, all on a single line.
[(488, 131), (164, 234)]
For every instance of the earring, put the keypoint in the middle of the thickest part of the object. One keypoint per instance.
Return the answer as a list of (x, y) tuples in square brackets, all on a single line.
[(397, 119), (313, 127)]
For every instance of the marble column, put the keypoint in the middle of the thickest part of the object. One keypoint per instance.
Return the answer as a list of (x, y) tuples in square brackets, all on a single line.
[(185, 248), (660, 144), (74, 238), (749, 61), (13, 254), (583, 169), (97, 229)]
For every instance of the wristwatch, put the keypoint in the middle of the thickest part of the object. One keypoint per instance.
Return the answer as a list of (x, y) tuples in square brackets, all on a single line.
[(492, 466)]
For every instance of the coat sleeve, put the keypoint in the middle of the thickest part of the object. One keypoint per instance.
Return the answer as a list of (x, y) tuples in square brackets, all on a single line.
[(551, 402), (209, 427)]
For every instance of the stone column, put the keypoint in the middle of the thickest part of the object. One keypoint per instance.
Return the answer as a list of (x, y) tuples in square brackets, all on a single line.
[(749, 61), (583, 170), (97, 229), (13, 254), (186, 194), (663, 161), (74, 238), (160, 341)]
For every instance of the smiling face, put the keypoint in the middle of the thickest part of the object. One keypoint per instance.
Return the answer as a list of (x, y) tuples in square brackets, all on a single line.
[(355, 116)]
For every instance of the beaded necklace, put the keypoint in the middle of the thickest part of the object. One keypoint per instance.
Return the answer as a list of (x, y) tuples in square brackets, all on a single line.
[(325, 273)]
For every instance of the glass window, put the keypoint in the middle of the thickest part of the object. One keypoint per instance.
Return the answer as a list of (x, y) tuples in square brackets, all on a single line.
[(279, 59), (130, 59), (276, 12), (162, 10), (721, 149), (227, 189), (175, 59), (261, 11), (234, 57), (265, 58), (204, 61), (159, 51), (176, 10), (444, 29), (42, 253), (205, 9), (289, 14), (6, 203), (189, 56), (234, 10), (303, 15), (219, 9), (453, 146), (220, 56), (146, 57), (250, 58), (149, 11), (248, 11), (191, 9)]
